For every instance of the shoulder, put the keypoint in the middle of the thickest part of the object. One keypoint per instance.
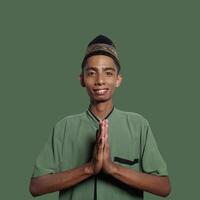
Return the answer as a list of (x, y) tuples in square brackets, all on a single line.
[(133, 116), (70, 118), (64, 123)]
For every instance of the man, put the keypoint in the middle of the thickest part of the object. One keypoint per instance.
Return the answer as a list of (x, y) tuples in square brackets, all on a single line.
[(103, 153)]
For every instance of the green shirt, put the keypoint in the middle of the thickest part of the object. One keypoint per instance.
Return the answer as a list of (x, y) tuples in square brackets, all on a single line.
[(70, 145)]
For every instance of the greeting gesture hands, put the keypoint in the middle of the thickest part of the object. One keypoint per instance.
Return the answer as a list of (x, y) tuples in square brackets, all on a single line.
[(101, 155)]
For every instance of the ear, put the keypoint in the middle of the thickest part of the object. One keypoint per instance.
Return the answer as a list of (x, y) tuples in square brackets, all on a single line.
[(81, 80), (119, 80)]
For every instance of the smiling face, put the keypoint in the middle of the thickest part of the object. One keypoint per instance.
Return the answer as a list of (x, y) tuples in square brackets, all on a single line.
[(100, 77)]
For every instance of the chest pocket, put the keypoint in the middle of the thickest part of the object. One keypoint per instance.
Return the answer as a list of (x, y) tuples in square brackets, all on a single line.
[(125, 161), (125, 148), (128, 163)]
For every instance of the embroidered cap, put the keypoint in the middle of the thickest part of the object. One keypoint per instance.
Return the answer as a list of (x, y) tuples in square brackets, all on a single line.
[(101, 45)]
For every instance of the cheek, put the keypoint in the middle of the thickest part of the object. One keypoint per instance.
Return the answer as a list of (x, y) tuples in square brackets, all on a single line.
[(88, 82), (112, 83), (89, 86)]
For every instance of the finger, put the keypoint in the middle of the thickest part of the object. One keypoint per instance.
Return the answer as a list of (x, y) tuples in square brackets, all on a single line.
[(100, 142), (106, 143), (107, 123), (106, 137), (100, 138), (101, 145), (106, 129), (102, 128), (99, 132)]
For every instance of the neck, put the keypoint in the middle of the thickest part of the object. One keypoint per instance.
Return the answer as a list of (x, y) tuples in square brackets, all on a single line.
[(101, 109)]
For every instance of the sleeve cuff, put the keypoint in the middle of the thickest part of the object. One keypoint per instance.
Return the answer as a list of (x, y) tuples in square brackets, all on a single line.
[(158, 172), (40, 172)]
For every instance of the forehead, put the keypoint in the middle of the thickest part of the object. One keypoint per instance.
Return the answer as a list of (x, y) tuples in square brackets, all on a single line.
[(99, 61)]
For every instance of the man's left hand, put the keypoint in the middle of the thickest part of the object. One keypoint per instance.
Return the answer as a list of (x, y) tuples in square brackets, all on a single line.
[(108, 165)]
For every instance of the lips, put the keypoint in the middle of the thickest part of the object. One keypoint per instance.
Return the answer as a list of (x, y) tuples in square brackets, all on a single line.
[(101, 91)]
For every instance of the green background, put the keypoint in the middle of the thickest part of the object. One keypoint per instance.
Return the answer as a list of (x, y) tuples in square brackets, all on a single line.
[(42, 46)]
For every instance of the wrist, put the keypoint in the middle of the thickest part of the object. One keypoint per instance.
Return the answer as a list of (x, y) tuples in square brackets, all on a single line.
[(88, 169), (115, 168), (112, 169)]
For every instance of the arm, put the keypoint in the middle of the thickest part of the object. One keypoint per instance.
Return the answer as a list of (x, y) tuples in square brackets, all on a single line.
[(58, 181), (146, 182), (61, 180)]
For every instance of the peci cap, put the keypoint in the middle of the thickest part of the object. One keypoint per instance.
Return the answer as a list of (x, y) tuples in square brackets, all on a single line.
[(101, 45)]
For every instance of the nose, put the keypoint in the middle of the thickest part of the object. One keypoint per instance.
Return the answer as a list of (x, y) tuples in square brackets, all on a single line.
[(100, 80)]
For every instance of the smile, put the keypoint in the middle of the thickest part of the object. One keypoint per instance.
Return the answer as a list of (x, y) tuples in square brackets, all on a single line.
[(100, 91)]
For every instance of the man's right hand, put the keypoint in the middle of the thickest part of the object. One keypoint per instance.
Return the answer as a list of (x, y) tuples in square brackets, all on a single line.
[(97, 158)]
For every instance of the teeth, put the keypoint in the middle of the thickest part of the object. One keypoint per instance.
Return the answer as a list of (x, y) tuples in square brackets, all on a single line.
[(100, 91)]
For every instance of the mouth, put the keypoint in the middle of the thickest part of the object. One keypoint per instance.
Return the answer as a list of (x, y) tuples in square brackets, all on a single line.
[(100, 91)]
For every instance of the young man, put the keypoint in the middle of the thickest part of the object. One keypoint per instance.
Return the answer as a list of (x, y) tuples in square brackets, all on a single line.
[(103, 153)]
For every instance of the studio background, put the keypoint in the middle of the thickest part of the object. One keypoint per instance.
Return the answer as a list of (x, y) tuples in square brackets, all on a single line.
[(42, 46)]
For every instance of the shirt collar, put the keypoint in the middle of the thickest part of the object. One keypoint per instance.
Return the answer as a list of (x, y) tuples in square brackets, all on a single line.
[(95, 118)]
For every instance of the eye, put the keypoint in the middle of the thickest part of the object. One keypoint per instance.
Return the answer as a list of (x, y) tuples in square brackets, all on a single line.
[(109, 73), (90, 73)]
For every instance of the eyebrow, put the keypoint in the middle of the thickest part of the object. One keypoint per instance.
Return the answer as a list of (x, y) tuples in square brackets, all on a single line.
[(104, 69)]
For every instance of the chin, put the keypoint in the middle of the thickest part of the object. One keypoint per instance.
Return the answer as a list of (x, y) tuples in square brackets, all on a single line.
[(100, 99)]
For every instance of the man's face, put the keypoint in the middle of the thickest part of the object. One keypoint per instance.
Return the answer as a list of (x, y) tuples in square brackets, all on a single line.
[(100, 78)]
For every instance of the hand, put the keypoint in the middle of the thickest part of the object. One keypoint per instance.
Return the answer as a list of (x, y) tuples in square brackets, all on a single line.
[(97, 158), (108, 165)]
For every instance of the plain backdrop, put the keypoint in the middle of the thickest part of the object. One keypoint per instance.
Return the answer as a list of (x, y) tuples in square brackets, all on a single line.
[(42, 44)]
